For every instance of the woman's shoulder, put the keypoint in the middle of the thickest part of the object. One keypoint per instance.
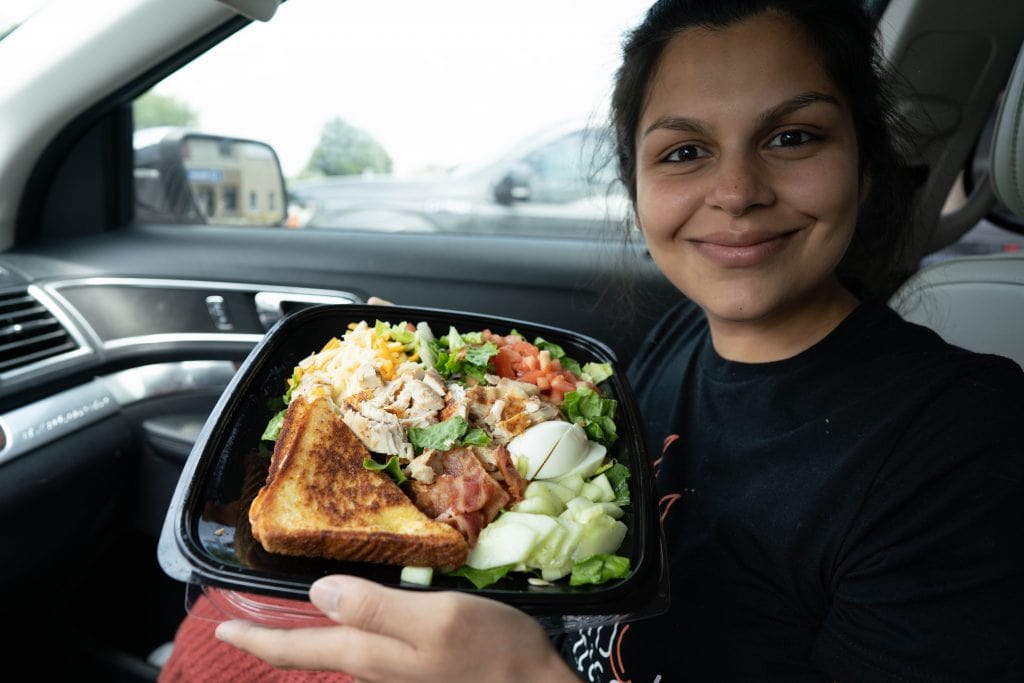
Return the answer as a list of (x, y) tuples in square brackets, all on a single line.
[(924, 349), (947, 387)]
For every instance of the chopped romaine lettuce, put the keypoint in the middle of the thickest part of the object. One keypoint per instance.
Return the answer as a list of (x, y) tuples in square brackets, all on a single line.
[(598, 569), (476, 437), (618, 477), (595, 373), (399, 333), (460, 357), (482, 578), (273, 429), (424, 344), (392, 467), (594, 413), (442, 436)]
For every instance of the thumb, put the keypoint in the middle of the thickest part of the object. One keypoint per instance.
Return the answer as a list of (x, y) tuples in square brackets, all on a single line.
[(371, 607), (377, 301)]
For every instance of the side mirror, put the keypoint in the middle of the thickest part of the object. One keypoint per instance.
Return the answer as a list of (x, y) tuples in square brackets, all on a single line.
[(514, 186), (187, 177)]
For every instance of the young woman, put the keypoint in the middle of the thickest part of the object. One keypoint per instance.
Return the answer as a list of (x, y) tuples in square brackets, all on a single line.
[(841, 490)]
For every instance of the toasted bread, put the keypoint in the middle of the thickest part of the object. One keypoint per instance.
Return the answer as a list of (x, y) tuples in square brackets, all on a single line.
[(319, 500)]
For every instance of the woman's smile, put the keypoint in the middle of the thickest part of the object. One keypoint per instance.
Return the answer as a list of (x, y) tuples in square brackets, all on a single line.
[(742, 249)]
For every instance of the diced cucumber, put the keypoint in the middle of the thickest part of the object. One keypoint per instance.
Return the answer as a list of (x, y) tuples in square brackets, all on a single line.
[(602, 535), (556, 573), (583, 510), (607, 492), (503, 543), (550, 488), (421, 576), (613, 510), (557, 547), (573, 482), (539, 505), (591, 491)]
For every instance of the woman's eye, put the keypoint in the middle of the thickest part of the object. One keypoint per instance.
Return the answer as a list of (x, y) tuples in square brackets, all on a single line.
[(791, 138), (686, 153)]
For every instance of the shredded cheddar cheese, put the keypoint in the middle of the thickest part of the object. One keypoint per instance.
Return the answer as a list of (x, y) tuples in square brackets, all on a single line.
[(361, 359)]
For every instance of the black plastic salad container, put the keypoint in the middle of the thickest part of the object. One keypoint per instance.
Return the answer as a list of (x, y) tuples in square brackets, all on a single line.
[(206, 540)]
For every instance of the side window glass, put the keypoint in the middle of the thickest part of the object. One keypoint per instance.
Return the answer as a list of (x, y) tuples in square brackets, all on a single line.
[(557, 170), (352, 120)]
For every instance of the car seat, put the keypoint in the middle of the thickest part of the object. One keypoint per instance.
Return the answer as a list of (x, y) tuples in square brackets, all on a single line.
[(977, 302)]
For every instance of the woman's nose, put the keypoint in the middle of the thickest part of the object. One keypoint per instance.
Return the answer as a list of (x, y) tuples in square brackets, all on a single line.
[(739, 183)]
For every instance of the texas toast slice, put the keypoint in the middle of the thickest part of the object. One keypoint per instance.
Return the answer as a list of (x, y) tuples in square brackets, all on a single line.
[(319, 500)]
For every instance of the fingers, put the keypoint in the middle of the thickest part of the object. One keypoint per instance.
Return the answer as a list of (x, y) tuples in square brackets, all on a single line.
[(328, 648), (390, 634), (368, 606), (377, 301)]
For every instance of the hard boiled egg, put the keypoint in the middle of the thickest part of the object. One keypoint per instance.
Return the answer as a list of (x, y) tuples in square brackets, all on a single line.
[(552, 449)]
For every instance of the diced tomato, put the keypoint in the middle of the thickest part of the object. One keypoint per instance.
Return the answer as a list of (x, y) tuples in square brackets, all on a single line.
[(520, 360), (531, 376), (563, 384), (504, 362)]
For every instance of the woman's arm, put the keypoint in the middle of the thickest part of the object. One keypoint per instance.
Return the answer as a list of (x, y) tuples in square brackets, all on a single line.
[(388, 634)]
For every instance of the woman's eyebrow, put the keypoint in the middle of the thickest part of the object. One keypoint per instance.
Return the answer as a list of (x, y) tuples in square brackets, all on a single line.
[(793, 104), (679, 123), (689, 125)]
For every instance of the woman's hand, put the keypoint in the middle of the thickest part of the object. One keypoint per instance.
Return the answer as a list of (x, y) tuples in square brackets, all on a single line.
[(388, 634)]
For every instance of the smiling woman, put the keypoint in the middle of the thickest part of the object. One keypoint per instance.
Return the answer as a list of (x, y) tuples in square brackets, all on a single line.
[(839, 489), (822, 482)]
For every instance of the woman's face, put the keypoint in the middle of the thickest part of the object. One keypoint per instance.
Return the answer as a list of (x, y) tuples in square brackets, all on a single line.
[(747, 177)]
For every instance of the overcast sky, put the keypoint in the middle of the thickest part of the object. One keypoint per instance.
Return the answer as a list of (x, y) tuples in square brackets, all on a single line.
[(436, 83)]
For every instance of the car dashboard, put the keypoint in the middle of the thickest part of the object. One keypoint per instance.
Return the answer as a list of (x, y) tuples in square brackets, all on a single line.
[(105, 383)]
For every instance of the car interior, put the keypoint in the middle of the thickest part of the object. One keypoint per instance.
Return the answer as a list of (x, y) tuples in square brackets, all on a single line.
[(119, 335)]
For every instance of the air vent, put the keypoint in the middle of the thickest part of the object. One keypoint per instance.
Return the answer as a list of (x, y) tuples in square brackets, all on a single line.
[(28, 332)]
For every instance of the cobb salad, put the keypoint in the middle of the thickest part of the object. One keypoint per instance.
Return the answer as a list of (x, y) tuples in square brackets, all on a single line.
[(504, 438)]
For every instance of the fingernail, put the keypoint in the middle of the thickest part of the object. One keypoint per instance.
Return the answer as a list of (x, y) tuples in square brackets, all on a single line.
[(227, 630), (325, 593)]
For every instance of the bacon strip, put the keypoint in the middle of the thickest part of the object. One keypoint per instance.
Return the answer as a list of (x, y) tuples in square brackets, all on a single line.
[(514, 482), (464, 495)]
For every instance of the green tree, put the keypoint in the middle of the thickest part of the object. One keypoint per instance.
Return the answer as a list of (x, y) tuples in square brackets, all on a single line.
[(152, 109), (345, 150)]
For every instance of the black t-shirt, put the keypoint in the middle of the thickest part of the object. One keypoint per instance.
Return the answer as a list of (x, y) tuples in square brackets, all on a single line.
[(853, 513)]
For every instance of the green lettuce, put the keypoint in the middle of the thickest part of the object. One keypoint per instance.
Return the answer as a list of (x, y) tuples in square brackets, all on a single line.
[(598, 569), (618, 477), (482, 578), (392, 467), (461, 357), (594, 413), (595, 373)]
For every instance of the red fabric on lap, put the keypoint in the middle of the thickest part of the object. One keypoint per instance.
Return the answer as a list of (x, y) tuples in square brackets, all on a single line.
[(198, 656)]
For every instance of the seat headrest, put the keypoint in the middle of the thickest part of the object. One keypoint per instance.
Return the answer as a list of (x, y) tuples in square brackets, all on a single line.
[(1007, 156)]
